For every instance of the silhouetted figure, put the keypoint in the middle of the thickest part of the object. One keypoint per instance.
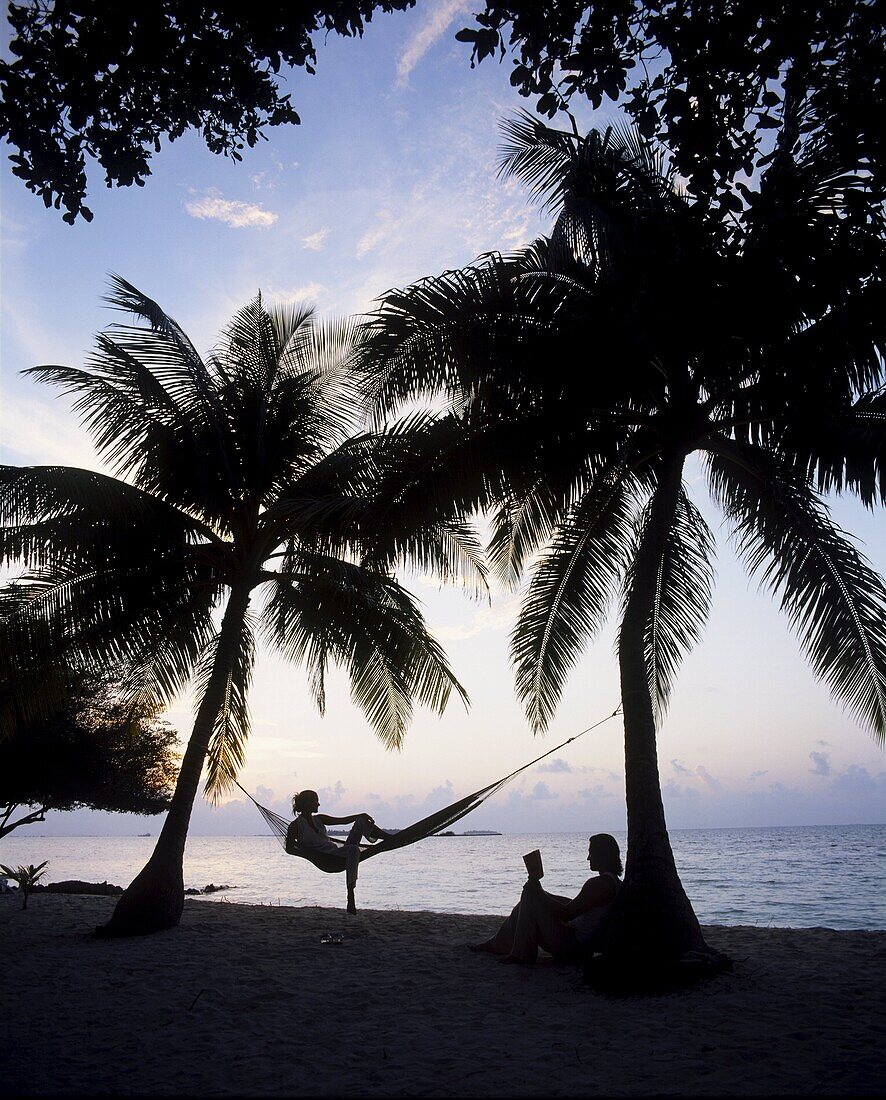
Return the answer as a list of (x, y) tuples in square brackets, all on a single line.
[(567, 928), (308, 830)]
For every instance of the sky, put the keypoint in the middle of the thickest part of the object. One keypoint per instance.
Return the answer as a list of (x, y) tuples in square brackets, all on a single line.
[(391, 177)]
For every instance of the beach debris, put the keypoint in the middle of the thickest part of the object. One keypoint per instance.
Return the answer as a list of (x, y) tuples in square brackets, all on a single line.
[(332, 938)]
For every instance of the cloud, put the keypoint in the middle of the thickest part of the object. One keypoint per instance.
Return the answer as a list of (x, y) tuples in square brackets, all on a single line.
[(263, 181), (238, 215), (35, 431), (373, 237), (707, 779), (309, 292), (597, 793), (680, 769), (541, 792), (428, 34), (857, 780), (758, 774), (558, 764), (486, 620), (332, 795), (315, 241), (821, 764)]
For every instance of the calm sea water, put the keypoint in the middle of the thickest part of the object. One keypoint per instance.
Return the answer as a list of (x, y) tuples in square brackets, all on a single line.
[(786, 877)]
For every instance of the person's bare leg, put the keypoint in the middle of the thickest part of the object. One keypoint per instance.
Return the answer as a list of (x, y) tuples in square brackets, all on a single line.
[(352, 862)]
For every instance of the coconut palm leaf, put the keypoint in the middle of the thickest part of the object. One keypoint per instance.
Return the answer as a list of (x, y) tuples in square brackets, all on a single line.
[(570, 590), (323, 608), (683, 590), (834, 600), (227, 745)]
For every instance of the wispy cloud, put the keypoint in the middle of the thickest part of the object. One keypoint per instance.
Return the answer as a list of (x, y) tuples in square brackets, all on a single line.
[(429, 33), (308, 292), (558, 764), (36, 431), (821, 764), (373, 237), (316, 241), (483, 621), (231, 212)]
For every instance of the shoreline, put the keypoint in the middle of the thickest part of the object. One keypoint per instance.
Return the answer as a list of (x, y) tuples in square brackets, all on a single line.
[(245, 1000)]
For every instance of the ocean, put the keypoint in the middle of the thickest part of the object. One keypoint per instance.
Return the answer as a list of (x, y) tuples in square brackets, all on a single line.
[(796, 877)]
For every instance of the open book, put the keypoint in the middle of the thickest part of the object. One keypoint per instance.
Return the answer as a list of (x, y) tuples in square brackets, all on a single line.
[(533, 863)]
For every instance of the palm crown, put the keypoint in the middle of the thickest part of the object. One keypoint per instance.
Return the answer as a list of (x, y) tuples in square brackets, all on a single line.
[(588, 366), (242, 472), (639, 333)]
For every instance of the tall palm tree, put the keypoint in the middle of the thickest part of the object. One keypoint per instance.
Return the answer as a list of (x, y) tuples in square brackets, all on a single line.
[(594, 363), (249, 506)]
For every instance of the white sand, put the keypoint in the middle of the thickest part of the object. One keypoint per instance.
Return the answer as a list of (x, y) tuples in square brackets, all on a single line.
[(244, 1000)]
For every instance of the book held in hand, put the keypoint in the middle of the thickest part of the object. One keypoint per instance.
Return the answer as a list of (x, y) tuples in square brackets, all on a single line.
[(533, 863)]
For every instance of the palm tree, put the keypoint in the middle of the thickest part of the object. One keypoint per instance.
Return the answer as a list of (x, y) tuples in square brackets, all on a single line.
[(594, 363), (243, 477)]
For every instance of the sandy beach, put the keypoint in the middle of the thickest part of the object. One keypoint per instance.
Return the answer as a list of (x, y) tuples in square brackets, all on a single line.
[(246, 1000)]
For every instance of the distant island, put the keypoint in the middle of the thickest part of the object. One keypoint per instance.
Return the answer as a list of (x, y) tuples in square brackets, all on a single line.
[(469, 832)]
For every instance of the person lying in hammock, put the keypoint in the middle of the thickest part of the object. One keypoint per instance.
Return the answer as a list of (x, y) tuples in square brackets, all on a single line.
[(566, 928), (308, 830)]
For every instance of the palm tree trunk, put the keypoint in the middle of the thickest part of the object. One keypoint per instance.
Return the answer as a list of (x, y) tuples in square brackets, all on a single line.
[(653, 924), (155, 898)]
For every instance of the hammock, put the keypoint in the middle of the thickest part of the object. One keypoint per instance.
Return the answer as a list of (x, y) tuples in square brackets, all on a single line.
[(428, 826)]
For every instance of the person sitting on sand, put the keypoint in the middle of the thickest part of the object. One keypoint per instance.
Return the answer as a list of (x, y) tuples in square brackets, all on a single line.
[(566, 928), (308, 830)]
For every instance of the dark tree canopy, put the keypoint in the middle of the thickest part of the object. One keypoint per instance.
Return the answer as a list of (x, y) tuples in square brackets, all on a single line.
[(97, 751), (721, 84), (106, 81)]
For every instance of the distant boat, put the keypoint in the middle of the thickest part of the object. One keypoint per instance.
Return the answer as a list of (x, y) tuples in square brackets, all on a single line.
[(144, 834)]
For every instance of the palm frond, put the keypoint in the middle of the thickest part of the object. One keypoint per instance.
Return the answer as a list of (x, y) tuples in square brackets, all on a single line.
[(683, 591), (843, 451), (537, 155), (399, 496), (232, 724), (324, 608), (441, 335), (53, 513), (570, 591), (834, 600)]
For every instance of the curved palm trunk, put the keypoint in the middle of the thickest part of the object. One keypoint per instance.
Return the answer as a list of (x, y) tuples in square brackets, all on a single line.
[(654, 923), (155, 898)]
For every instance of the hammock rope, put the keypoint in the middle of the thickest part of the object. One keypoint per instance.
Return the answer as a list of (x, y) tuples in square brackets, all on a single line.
[(428, 826)]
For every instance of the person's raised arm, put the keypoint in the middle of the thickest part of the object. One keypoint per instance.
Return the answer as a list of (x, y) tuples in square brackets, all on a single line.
[(595, 893)]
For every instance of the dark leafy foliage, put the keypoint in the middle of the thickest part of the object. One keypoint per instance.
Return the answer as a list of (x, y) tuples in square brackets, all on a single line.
[(96, 751), (719, 84), (106, 82)]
